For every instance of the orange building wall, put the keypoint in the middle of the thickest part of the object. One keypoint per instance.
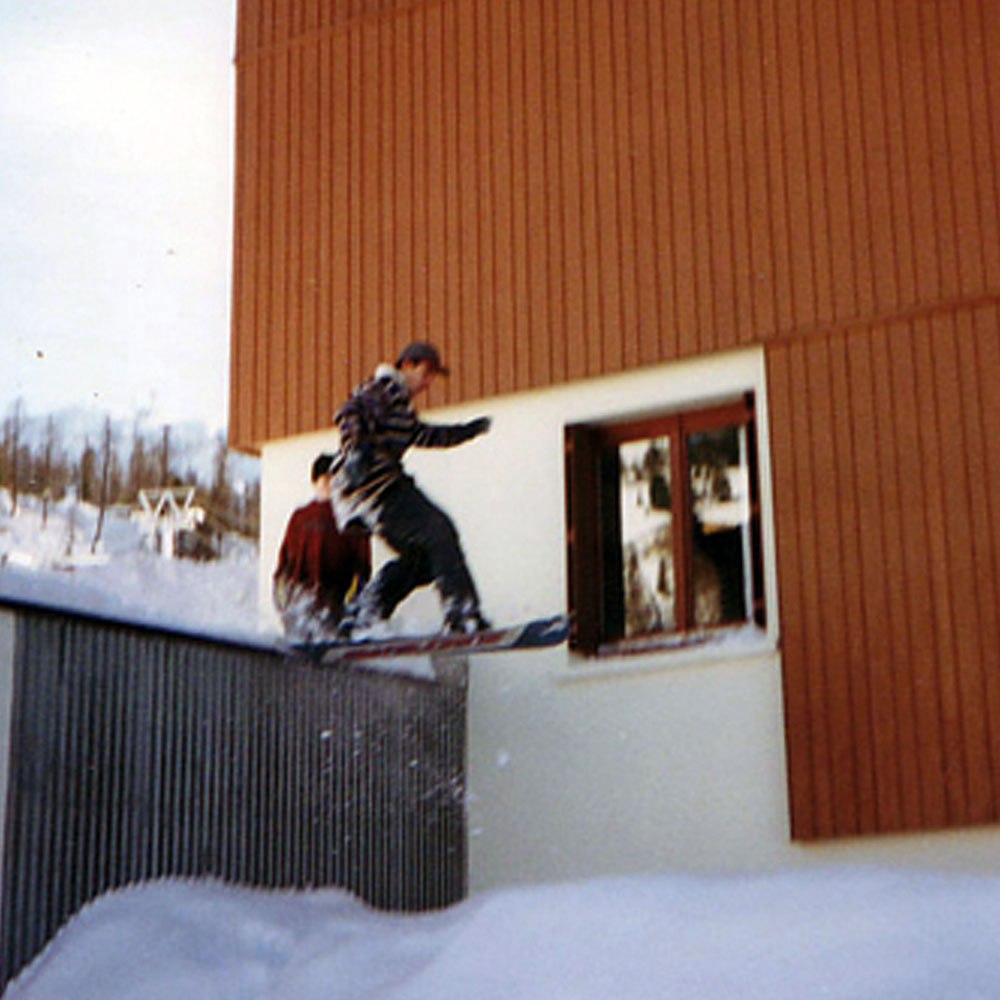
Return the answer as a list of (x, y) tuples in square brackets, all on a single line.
[(560, 188), (887, 493), (552, 189)]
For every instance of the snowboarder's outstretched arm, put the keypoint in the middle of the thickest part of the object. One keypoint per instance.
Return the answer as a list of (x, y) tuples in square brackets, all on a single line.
[(449, 435), (378, 424), (380, 413)]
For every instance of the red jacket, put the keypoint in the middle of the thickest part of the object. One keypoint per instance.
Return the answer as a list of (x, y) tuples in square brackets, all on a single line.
[(316, 554)]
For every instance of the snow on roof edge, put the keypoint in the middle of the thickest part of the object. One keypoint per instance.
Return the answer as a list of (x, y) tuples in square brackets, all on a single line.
[(21, 597)]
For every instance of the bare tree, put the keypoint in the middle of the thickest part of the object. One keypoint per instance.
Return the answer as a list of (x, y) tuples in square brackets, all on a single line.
[(71, 525), (136, 460), (5, 460), (165, 457), (13, 431), (106, 453), (46, 483), (221, 490), (88, 472)]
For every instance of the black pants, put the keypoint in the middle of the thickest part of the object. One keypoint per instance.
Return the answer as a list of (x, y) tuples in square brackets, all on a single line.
[(428, 550)]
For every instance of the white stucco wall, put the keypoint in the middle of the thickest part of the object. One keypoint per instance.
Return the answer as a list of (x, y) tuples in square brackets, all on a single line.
[(577, 768)]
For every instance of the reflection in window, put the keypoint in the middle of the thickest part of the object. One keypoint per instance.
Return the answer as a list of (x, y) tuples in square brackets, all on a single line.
[(647, 536), (720, 525)]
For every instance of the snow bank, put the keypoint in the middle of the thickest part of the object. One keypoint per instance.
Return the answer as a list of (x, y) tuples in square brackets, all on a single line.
[(835, 933), (51, 563)]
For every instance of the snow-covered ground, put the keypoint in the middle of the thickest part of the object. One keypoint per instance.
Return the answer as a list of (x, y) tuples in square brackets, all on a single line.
[(836, 934), (52, 563)]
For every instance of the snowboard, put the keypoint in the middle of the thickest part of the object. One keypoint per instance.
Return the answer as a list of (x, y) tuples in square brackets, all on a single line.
[(534, 634)]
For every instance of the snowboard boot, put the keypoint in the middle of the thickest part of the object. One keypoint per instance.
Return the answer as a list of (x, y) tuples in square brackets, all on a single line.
[(466, 619), (358, 617)]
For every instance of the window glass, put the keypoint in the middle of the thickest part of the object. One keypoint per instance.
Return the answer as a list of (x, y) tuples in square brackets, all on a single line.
[(647, 536), (663, 527), (720, 525)]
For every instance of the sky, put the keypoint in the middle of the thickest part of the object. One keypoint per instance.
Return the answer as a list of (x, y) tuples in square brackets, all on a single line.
[(116, 121), (838, 933)]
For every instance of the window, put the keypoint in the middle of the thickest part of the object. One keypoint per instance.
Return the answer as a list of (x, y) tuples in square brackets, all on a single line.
[(663, 527)]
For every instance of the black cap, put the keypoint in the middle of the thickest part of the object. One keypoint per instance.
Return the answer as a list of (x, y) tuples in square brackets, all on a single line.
[(419, 351), (321, 466)]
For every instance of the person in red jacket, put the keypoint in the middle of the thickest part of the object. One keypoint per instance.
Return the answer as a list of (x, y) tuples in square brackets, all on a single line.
[(319, 565)]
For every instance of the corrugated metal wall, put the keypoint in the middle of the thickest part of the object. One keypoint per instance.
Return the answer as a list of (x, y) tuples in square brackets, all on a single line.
[(887, 485), (137, 755), (561, 188)]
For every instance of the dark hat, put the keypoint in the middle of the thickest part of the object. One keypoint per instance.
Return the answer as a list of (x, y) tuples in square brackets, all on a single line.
[(419, 351), (321, 466)]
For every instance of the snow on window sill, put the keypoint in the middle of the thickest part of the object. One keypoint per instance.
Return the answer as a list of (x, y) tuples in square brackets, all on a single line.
[(743, 642)]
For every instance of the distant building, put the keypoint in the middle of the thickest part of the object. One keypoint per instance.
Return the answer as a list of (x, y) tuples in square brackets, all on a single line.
[(763, 237)]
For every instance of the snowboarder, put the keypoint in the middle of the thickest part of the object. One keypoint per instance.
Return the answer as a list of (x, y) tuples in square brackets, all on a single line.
[(377, 425), (319, 566)]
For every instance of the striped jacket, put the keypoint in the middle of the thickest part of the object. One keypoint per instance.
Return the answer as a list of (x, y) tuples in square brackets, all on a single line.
[(377, 425)]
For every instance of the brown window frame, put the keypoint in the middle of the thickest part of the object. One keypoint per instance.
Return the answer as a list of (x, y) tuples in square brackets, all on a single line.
[(593, 525)]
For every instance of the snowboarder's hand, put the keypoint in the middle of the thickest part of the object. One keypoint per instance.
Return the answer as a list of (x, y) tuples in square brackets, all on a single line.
[(478, 426)]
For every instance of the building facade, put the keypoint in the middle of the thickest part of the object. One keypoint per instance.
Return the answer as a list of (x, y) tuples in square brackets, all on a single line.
[(727, 276)]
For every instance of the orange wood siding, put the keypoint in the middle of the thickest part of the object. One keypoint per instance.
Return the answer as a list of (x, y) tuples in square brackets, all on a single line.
[(887, 485), (553, 189)]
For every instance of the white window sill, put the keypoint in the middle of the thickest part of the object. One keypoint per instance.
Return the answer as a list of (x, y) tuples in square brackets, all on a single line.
[(745, 642)]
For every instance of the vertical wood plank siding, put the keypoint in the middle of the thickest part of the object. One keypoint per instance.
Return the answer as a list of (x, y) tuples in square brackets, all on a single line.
[(887, 483), (554, 189), (141, 755)]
